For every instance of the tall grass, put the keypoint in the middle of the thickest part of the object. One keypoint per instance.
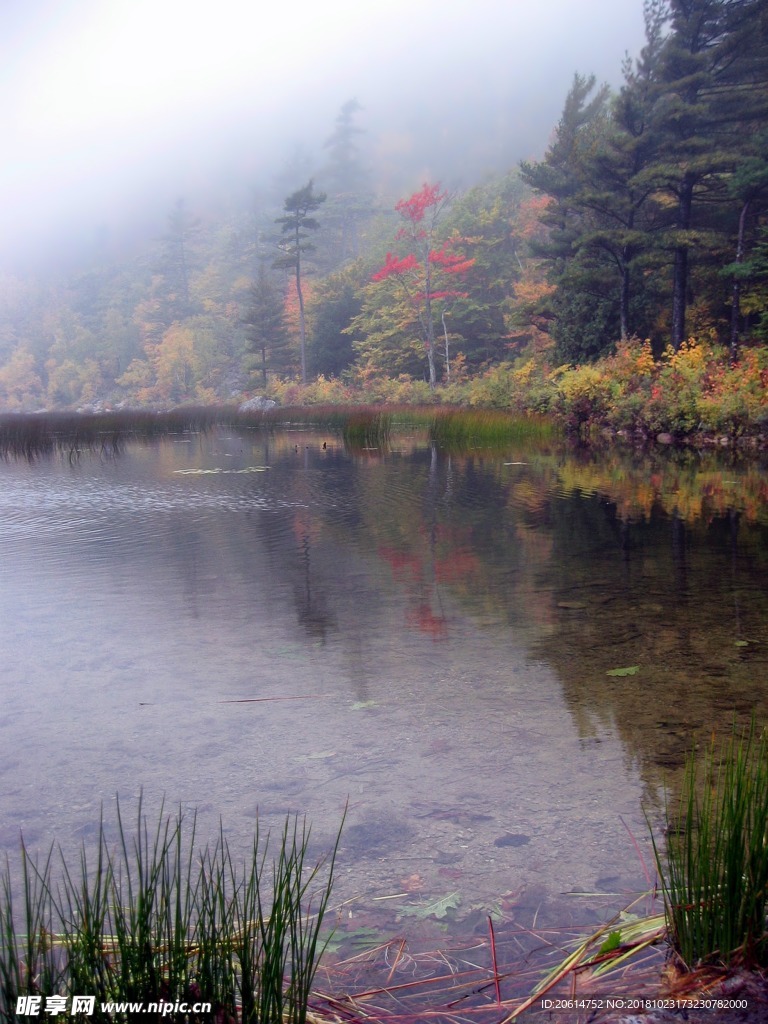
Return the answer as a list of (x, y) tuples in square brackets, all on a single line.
[(154, 920), (466, 428), (714, 870), (34, 435)]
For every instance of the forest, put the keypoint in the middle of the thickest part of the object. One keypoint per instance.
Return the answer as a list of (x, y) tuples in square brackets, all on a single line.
[(622, 277)]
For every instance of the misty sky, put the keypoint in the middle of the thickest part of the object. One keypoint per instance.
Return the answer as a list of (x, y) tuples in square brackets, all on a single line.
[(104, 103)]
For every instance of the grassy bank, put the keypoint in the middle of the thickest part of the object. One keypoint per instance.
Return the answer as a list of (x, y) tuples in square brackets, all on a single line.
[(695, 393)]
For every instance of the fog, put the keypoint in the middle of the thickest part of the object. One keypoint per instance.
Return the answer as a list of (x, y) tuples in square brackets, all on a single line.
[(109, 111)]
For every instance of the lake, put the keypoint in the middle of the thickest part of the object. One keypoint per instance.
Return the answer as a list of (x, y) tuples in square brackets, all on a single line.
[(495, 660)]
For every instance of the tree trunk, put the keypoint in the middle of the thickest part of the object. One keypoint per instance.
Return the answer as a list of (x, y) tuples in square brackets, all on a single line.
[(430, 341), (736, 300), (680, 278), (624, 304), (302, 322)]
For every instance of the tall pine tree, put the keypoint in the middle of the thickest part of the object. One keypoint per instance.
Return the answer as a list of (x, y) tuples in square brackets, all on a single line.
[(296, 225), (265, 327)]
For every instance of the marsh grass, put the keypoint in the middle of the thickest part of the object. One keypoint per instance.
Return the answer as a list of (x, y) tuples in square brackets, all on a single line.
[(154, 919), (714, 869), (35, 435), (467, 428), (366, 429)]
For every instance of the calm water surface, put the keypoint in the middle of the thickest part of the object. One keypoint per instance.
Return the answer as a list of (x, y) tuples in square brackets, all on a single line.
[(280, 625)]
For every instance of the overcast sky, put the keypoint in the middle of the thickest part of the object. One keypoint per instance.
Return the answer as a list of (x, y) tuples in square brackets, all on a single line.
[(103, 100)]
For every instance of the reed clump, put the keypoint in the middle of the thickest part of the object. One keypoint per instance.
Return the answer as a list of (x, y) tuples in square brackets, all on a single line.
[(467, 428), (34, 435), (155, 921), (714, 869)]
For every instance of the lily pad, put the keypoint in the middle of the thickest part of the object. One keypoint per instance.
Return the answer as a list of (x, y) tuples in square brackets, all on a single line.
[(619, 673)]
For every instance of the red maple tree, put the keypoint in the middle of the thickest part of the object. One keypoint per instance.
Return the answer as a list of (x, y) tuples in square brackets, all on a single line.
[(426, 274)]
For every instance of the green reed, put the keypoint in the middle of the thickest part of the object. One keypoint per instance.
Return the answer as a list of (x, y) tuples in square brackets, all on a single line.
[(715, 868), (367, 429), (155, 920), (469, 428)]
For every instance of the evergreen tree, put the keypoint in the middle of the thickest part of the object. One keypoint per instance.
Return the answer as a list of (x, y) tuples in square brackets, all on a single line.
[(613, 153), (175, 263), (264, 320), (336, 302), (659, 180), (296, 225), (561, 177), (346, 181), (710, 93)]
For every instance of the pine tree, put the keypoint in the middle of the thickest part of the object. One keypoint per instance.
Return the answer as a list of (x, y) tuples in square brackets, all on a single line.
[(296, 225), (175, 263), (335, 303), (710, 93), (264, 320), (561, 176), (613, 153), (346, 181)]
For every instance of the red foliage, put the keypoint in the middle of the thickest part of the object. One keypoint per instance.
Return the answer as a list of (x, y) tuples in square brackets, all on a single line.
[(415, 208), (450, 262), (394, 266)]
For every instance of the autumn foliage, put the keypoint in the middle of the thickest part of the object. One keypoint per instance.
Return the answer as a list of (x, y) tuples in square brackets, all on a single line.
[(424, 275)]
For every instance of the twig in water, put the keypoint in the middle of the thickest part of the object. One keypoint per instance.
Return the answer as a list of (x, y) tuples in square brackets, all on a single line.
[(493, 961)]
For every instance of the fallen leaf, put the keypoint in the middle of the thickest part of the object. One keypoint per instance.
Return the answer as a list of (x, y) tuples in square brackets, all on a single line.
[(612, 942), (413, 883), (439, 908)]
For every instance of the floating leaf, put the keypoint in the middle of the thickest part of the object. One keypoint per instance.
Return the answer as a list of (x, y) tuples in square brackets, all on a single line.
[(360, 704), (630, 670), (742, 643), (439, 908)]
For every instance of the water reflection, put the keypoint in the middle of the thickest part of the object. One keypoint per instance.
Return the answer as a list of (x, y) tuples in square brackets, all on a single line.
[(277, 624)]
